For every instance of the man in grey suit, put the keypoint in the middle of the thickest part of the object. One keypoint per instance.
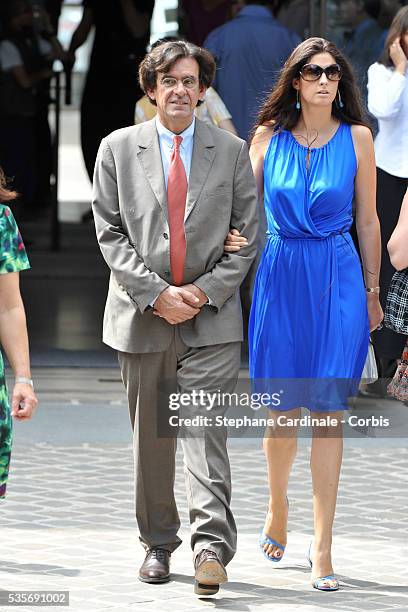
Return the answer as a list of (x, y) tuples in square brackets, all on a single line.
[(166, 193)]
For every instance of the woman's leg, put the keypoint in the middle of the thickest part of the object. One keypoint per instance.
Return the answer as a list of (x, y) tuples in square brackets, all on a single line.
[(280, 445), (325, 464)]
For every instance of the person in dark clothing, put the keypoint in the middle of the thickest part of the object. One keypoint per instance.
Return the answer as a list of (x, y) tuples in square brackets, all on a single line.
[(46, 14), (200, 17), (122, 31), (249, 50), (25, 67)]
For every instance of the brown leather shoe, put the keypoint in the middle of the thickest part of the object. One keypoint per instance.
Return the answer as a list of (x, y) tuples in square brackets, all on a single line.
[(209, 573), (156, 566)]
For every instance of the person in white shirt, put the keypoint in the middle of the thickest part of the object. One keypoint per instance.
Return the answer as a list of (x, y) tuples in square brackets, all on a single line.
[(388, 102)]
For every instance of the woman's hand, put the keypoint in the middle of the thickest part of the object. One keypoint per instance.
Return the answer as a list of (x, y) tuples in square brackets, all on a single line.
[(375, 312), (234, 241), (397, 55), (23, 402)]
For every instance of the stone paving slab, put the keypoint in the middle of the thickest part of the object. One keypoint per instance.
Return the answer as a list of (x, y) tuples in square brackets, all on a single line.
[(68, 524), (107, 579)]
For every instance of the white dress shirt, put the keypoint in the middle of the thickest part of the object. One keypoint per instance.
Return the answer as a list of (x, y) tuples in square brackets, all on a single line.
[(167, 145), (388, 102), (186, 153)]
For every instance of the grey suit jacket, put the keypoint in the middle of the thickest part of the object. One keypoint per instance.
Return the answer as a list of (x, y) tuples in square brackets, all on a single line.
[(130, 210)]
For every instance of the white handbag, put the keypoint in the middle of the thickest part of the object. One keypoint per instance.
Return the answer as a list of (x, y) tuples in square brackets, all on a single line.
[(370, 372)]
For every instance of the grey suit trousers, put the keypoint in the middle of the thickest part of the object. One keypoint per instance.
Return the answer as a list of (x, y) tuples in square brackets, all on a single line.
[(149, 378)]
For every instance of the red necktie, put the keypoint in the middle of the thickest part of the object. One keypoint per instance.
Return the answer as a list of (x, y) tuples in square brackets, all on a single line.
[(176, 204)]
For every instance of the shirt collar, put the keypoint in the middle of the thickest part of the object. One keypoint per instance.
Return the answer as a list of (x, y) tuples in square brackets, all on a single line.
[(255, 10), (167, 136)]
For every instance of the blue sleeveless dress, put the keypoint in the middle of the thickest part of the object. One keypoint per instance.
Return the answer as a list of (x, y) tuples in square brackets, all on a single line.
[(309, 311)]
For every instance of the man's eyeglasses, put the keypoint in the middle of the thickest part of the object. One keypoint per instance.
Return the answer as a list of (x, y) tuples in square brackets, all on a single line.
[(313, 72), (171, 82)]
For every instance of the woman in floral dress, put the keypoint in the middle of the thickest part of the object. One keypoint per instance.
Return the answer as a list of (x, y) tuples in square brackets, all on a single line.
[(13, 333)]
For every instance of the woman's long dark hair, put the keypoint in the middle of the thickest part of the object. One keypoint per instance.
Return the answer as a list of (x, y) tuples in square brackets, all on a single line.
[(397, 29), (5, 194), (279, 108)]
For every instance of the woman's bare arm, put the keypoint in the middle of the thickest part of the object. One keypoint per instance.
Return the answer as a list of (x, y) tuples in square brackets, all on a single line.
[(14, 339), (367, 224), (259, 145), (234, 241), (398, 243)]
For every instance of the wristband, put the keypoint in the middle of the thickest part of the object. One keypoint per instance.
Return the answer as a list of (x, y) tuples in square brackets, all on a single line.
[(24, 381)]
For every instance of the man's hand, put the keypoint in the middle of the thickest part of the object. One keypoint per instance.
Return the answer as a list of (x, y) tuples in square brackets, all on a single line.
[(197, 292), (174, 304)]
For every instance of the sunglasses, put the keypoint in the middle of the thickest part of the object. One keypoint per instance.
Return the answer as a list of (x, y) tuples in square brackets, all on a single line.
[(313, 72)]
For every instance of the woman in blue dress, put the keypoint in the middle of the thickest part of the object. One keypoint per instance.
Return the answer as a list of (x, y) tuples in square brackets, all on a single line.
[(311, 315)]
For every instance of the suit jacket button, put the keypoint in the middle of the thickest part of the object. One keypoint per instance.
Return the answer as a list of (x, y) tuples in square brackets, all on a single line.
[(166, 236), (167, 272)]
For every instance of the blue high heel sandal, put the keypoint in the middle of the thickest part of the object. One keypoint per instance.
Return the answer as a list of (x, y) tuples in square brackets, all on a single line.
[(264, 539), (319, 582)]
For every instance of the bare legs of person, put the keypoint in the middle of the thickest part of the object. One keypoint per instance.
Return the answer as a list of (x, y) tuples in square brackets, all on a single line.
[(280, 446), (325, 464)]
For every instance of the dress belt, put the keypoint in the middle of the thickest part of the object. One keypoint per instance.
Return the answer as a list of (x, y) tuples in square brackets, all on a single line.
[(341, 232)]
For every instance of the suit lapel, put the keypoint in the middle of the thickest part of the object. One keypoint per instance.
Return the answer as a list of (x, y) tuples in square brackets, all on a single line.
[(150, 158), (201, 162)]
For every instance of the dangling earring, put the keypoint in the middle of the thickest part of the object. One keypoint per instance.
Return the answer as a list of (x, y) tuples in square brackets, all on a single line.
[(297, 105), (340, 101)]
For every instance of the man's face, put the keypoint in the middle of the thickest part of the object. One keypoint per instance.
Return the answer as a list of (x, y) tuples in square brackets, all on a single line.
[(349, 12), (23, 14), (177, 93)]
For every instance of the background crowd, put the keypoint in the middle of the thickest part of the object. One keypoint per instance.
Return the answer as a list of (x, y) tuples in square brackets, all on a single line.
[(250, 39)]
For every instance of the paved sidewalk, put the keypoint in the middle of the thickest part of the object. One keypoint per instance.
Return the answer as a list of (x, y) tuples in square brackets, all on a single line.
[(68, 520)]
